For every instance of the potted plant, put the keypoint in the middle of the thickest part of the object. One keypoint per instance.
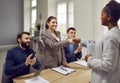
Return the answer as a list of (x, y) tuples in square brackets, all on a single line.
[(37, 30), (38, 26), (31, 29)]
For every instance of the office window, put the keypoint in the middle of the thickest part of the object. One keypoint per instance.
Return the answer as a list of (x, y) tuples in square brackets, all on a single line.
[(33, 13), (71, 14), (61, 17), (65, 15)]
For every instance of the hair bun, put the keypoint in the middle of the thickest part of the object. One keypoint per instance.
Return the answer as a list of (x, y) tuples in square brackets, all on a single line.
[(114, 8)]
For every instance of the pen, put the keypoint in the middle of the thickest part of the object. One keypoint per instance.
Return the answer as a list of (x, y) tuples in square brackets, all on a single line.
[(63, 69)]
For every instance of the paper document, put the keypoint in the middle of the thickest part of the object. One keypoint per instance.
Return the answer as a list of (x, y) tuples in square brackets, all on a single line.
[(37, 79), (90, 47), (81, 62), (63, 70)]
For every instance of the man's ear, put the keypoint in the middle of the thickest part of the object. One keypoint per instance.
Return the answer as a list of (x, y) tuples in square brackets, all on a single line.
[(19, 40)]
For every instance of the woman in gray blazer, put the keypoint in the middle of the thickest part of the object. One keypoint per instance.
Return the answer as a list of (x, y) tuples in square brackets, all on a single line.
[(105, 62), (54, 53)]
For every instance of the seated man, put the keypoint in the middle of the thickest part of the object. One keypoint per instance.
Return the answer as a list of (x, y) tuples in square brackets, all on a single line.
[(20, 58), (72, 52)]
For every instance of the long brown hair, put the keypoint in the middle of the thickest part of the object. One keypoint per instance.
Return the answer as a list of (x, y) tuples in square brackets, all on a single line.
[(48, 20)]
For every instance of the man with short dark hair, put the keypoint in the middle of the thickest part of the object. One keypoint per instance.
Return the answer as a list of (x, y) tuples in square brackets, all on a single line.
[(20, 58), (72, 51)]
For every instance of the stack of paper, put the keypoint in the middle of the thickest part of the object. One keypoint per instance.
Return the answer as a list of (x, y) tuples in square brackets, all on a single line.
[(63, 70), (37, 79), (81, 62)]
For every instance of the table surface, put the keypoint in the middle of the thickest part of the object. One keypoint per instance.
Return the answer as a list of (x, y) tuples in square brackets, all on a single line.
[(81, 75)]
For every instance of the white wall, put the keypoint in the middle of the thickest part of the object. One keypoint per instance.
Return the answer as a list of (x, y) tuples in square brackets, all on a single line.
[(84, 18), (51, 8), (87, 18), (11, 21), (99, 29)]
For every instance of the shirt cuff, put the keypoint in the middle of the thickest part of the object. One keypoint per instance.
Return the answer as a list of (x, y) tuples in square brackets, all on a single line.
[(88, 61), (75, 52)]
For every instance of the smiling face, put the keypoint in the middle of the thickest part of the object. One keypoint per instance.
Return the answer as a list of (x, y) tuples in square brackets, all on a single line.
[(105, 19), (52, 24), (71, 34), (24, 41)]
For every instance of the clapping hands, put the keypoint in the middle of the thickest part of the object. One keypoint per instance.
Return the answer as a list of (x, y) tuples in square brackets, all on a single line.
[(30, 61)]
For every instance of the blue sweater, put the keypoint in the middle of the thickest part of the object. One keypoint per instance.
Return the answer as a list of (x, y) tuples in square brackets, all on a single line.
[(71, 56), (15, 62)]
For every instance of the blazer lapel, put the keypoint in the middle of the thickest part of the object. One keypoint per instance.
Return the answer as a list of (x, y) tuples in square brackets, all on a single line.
[(51, 36)]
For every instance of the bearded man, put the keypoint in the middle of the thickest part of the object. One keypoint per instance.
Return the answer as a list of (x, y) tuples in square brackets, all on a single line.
[(19, 59)]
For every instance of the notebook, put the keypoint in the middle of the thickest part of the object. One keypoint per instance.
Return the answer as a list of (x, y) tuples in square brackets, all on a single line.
[(81, 62), (63, 70), (36, 79)]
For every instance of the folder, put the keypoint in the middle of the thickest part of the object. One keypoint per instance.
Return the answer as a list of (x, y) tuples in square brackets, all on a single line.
[(63, 70)]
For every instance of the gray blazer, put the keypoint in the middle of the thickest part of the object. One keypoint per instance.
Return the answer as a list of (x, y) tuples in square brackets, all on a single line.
[(54, 53), (105, 62)]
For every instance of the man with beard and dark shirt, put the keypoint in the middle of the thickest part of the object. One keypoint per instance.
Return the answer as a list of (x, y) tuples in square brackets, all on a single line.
[(20, 58)]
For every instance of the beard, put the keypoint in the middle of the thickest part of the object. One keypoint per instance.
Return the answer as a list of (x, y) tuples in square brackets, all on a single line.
[(25, 45)]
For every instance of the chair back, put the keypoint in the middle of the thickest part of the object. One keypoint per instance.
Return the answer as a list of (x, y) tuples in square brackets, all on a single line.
[(4, 76), (41, 47)]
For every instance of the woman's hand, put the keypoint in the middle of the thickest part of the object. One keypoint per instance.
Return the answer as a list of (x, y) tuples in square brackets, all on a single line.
[(66, 65), (86, 57)]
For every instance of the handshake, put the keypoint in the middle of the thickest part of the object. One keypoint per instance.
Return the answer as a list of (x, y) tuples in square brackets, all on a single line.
[(75, 40)]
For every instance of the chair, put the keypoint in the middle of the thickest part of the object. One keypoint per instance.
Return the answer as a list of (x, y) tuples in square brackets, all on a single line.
[(39, 55), (41, 47), (4, 76)]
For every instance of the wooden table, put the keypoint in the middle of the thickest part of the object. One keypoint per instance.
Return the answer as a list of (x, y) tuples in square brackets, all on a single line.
[(81, 75)]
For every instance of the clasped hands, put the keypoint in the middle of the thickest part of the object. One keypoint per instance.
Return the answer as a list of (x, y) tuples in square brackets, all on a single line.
[(30, 61), (78, 49)]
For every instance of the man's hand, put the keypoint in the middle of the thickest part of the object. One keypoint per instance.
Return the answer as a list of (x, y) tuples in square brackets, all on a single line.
[(30, 61), (33, 61), (78, 50), (27, 62)]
